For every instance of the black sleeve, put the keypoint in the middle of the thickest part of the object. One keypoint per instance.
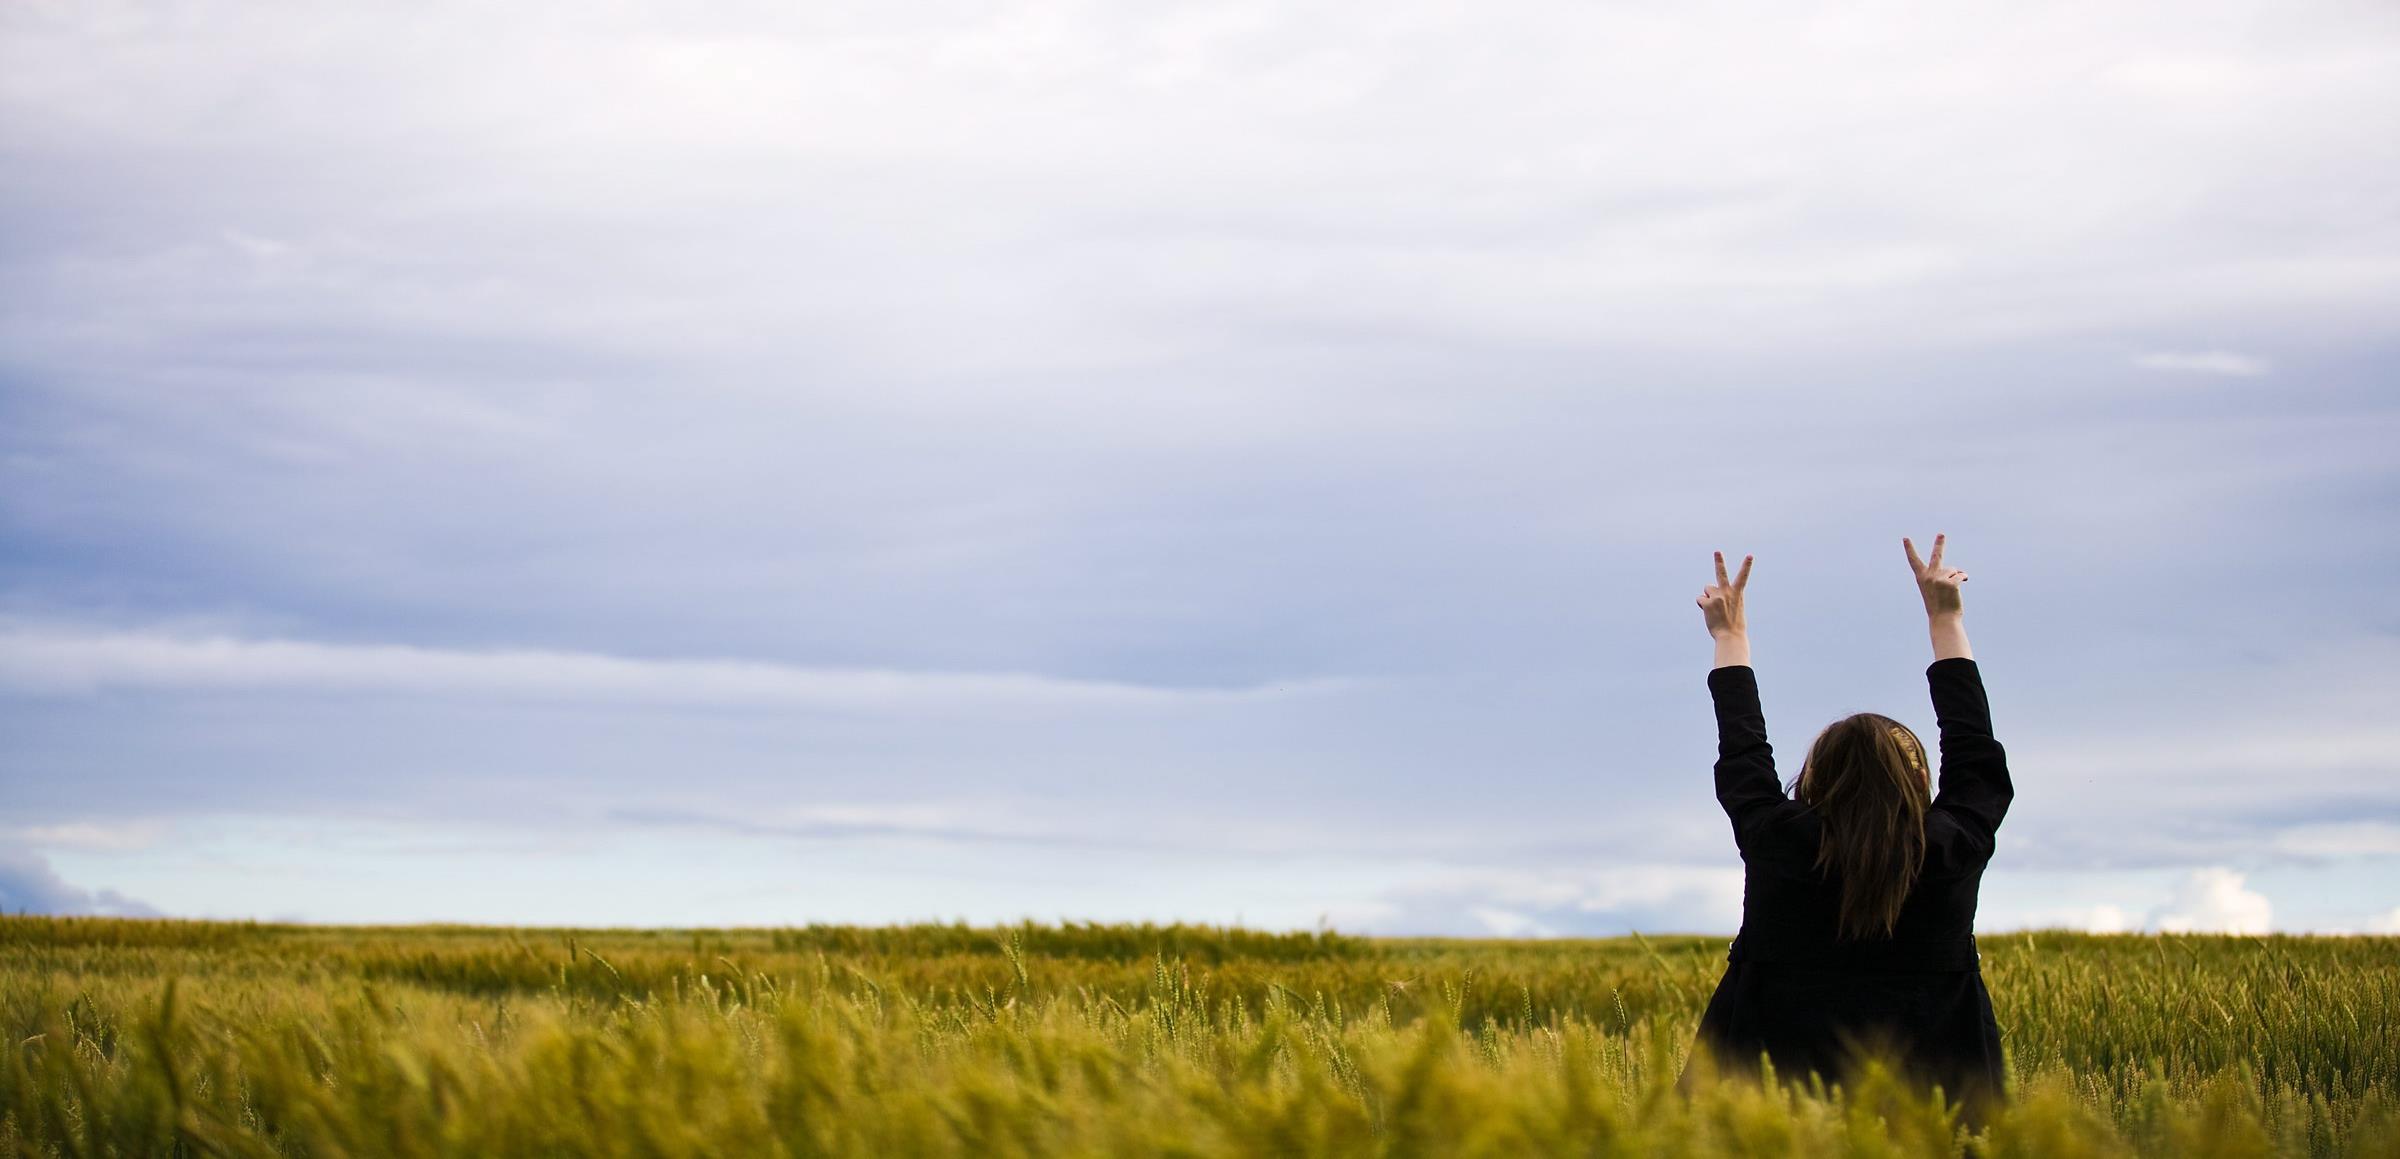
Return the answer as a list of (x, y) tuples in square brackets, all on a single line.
[(1746, 783), (1975, 788)]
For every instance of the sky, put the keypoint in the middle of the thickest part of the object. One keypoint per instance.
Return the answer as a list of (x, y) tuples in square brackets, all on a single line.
[(751, 464)]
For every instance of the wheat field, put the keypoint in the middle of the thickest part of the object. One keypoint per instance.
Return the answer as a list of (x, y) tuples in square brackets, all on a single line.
[(196, 1038)]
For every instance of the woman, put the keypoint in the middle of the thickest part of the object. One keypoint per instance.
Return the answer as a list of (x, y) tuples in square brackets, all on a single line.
[(1858, 902)]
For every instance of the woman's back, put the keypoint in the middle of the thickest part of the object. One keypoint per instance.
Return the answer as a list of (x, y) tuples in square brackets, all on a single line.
[(1790, 907), (1801, 986)]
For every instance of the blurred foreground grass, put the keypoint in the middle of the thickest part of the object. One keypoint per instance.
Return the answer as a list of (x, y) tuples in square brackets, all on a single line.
[(154, 1038)]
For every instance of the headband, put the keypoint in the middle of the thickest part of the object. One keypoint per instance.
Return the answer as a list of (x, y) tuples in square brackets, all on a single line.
[(1907, 749)]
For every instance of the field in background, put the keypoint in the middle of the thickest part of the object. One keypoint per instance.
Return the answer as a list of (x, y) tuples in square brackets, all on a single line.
[(141, 1038)]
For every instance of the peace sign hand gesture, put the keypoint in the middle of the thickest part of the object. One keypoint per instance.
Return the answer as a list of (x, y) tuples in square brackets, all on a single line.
[(1937, 583), (1721, 602)]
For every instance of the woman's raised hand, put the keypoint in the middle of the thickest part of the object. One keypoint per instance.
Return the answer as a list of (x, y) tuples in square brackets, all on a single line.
[(1721, 602), (1937, 583)]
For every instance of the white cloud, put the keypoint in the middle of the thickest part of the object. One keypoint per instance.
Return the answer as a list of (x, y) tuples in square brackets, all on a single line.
[(2222, 362), (2213, 900), (2306, 718), (2387, 922), (111, 836), (2106, 919), (2338, 839), (52, 659), (884, 174), (1509, 924), (29, 885), (2096, 919), (1554, 902)]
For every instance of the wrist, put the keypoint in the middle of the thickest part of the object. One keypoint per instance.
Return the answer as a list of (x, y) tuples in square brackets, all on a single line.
[(1949, 634), (1733, 648)]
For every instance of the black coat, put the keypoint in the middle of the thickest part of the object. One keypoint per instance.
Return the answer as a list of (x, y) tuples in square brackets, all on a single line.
[(1804, 999)]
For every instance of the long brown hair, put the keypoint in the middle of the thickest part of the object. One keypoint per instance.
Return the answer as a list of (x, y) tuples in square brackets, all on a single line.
[(1865, 777)]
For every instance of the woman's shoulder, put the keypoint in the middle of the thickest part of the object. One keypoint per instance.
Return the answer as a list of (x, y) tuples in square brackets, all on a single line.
[(1951, 849), (1790, 831)]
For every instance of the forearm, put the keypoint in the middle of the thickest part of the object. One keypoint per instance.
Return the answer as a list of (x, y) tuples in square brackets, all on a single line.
[(1975, 785), (1949, 631), (1745, 773), (1733, 648)]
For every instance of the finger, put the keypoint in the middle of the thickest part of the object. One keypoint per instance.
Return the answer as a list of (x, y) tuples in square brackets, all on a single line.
[(1721, 580), (1915, 566), (1936, 559), (1743, 580)]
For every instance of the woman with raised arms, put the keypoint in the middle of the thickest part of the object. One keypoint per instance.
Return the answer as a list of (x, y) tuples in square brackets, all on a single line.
[(1859, 888)]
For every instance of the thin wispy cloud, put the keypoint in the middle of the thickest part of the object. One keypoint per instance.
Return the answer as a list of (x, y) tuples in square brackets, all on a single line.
[(29, 885), (2223, 363), (48, 659), (867, 824), (115, 836), (1512, 902)]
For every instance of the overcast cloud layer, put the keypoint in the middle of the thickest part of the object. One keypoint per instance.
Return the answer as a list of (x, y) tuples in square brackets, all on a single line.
[(670, 464)]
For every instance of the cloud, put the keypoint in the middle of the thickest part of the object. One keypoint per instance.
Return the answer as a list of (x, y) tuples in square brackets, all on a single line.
[(69, 660), (2220, 362), (1044, 188), (837, 823), (27, 885), (2096, 919), (1509, 924), (2281, 757), (2057, 836), (928, 373), (1554, 902), (2387, 922), (112, 836), (2337, 840), (2212, 900)]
